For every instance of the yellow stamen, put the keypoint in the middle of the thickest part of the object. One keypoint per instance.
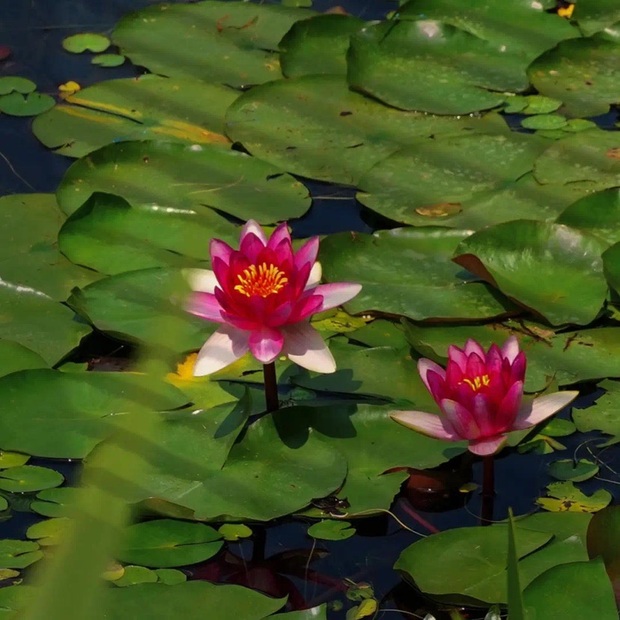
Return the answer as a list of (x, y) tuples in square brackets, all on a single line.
[(477, 382), (263, 280)]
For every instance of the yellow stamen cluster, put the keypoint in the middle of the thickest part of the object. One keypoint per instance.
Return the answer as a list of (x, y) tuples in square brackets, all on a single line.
[(477, 382), (263, 280)]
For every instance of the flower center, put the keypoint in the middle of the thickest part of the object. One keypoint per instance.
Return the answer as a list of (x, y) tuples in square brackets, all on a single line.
[(264, 280), (477, 382)]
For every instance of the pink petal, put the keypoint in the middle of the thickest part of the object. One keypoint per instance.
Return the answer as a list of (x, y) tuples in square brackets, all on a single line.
[(509, 407), (487, 446), (510, 348), (306, 347), (266, 344), (202, 280), (517, 370), (205, 305), (225, 345), (307, 253), (461, 418), (425, 423), (254, 228), (486, 419), (426, 365), (457, 356), (471, 346), (251, 247), (306, 306), (316, 273), (278, 235), (219, 249), (337, 293), (542, 408)]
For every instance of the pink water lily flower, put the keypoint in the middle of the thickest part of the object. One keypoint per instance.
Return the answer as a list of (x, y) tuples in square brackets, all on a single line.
[(264, 295), (480, 395)]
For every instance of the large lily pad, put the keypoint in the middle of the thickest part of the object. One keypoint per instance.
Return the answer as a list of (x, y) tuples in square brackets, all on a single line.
[(409, 272), (231, 43), (318, 45), (145, 306), (603, 414), (168, 175), (566, 357), (566, 262), (64, 415), (316, 127), (144, 108), (433, 177), (583, 73), (29, 256), (595, 15), (14, 357), (112, 236), (432, 67)]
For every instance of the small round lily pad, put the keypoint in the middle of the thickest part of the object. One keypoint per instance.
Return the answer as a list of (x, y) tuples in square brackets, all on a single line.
[(16, 104), (86, 41), (544, 121), (108, 60), (576, 471), (15, 84)]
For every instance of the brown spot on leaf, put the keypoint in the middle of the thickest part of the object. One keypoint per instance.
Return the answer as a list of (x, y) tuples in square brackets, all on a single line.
[(614, 153), (441, 209)]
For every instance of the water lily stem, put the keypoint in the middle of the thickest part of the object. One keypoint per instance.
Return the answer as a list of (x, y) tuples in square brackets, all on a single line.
[(271, 387), (488, 489)]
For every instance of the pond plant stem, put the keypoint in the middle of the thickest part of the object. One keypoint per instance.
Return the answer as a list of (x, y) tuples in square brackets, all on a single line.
[(488, 489), (271, 387)]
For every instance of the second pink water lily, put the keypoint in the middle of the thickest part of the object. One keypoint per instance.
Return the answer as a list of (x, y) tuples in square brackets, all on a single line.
[(480, 395), (263, 296)]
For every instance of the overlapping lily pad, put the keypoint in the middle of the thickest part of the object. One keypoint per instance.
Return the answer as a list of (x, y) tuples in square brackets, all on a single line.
[(14, 357), (432, 178), (408, 272), (232, 43), (169, 176), (565, 259), (316, 127), (146, 108)]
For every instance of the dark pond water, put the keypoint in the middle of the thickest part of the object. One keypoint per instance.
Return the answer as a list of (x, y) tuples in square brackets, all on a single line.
[(34, 29)]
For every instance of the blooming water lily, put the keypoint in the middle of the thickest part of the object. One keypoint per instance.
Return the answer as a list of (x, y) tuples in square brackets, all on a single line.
[(480, 395), (264, 295)]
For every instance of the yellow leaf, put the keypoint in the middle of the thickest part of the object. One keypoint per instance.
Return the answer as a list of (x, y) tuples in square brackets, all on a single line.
[(68, 88), (184, 371), (566, 11)]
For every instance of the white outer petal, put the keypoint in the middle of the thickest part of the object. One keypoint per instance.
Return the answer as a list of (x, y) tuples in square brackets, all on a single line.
[(337, 293), (304, 346), (252, 226), (202, 280), (225, 345), (541, 408), (316, 273)]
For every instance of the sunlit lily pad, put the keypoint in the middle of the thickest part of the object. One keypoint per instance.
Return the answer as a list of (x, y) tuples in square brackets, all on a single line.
[(108, 60), (134, 575), (18, 553), (566, 497), (16, 84), (409, 272), (318, 45), (167, 176), (49, 532), (316, 127), (231, 43), (144, 108), (603, 414), (54, 502), (32, 104), (14, 357), (583, 73), (565, 259), (421, 183), (28, 478), (86, 41)]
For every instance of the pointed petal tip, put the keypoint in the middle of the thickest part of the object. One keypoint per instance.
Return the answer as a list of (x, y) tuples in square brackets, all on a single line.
[(487, 446), (425, 423)]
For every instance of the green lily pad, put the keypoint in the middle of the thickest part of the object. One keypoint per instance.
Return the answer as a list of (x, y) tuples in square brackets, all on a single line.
[(591, 157), (15, 84), (17, 104), (430, 66), (331, 530), (408, 271), (316, 127), (611, 262), (318, 45), (165, 543), (567, 469), (64, 415), (565, 259), (12, 459), (595, 15), (14, 357), (590, 592), (565, 357), (86, 41), (29, 256), (28, 478), (170, 576), (136, 304), (232, 532), (18, 553), (49, 532), (544, 121), (8, 573), (108, 60), (603, 539), (188, 600), (145, 108), (566, 497), (108, 234), (133, 575), (169, 177), (232, 43), (603, 414), (314, 613), (54, 502), (583, 73), (433, 177), (597, 213)]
